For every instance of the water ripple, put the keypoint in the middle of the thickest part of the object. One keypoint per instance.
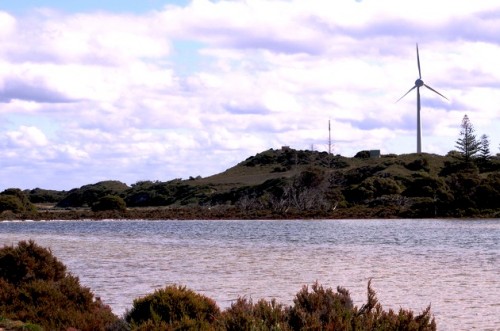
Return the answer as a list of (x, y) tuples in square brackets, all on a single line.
[(451, 264)]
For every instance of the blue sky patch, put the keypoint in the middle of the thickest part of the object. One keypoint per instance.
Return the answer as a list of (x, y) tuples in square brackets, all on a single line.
[(130, 6)]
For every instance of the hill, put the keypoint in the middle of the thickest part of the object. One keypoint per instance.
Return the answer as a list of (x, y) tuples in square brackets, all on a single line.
[(290, 183)]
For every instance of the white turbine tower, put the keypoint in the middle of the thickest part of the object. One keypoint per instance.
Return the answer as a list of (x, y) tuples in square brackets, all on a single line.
[(418, 84)]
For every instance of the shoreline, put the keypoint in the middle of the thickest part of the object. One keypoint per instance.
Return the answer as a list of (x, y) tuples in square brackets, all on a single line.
[(217, 213)]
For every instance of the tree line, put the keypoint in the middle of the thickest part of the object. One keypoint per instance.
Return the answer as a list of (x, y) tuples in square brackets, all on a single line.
[(293, 184)]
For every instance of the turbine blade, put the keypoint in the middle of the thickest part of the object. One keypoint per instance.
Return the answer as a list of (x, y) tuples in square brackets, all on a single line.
[(414, 87), (433, 90), (418, 62)]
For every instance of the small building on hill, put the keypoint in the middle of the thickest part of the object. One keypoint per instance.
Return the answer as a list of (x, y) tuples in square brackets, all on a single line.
[(375, 153)]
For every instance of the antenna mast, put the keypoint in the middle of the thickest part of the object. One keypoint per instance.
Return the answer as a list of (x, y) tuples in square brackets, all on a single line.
[(329, 138)]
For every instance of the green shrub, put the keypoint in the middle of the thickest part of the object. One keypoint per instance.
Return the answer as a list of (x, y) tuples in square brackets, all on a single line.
[(371, 316), (15, 200), (11, 203), (7, 324), (88, 195), (109, 202), (175, 306), (35, 287), (244, 315), (372, 187), (28, 262), (39, 195), (321, 309), (362, 155), (418, 165)]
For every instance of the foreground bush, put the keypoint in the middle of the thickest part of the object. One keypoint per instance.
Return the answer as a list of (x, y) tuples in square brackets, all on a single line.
[(177, 308), (323, 309), (37, 292), (245, 315), (35, 288), (9, 325), (174, 307)]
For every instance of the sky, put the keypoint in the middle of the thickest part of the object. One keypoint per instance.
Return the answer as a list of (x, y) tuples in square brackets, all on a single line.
[(157, 90)]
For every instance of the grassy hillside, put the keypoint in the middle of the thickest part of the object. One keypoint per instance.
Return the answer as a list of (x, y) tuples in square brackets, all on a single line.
[(273, 164), (289, 183)]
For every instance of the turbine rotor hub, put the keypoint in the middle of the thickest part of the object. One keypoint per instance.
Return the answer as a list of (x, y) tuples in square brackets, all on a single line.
[(419, 83)]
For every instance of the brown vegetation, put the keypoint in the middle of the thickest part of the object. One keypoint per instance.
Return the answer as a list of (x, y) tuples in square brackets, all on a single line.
[(35, 288), (286, 184), (177, 308)]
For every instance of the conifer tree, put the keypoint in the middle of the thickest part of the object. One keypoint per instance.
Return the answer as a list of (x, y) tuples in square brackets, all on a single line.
[(484, 148), (467, 144)]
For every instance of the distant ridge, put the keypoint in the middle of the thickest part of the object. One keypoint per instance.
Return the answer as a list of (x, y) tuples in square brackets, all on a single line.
[(288, 183)]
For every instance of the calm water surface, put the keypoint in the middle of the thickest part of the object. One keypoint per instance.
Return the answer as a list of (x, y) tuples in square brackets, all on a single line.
[(454, 265)]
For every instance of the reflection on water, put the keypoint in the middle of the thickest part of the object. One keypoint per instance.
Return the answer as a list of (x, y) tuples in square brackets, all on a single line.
[(453, 265)]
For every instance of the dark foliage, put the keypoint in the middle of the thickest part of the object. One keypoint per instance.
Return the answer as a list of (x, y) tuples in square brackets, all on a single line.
[(453, 167), (288, 183), (15, 200), (176, 191), (39, 195), (464, 186), (174, 307), (87, 195), (321, 309), (371, 188), (362, 155), (357, 175), (288, 158), (35, 287), (245, 315), (11, 203), (109, 202), (267, 195), (27, 262), (428, 186), (488, 193), (318, 308), (418, 164)]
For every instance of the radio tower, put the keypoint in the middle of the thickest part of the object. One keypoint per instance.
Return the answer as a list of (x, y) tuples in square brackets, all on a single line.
[(329, 138)]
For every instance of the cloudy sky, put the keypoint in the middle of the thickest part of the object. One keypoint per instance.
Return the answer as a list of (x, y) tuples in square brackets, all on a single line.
[(155, 90)]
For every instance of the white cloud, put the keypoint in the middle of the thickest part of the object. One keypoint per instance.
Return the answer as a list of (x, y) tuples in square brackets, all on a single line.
[(7, 25), (26, 137), (115, 102)]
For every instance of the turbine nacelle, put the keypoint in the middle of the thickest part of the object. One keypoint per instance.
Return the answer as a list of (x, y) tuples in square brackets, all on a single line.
[(419, 83)]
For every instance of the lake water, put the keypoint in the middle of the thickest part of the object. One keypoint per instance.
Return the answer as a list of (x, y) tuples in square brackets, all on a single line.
[(454, 265)]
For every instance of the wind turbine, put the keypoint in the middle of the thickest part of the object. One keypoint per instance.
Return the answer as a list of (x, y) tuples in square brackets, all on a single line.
[(418, 84)]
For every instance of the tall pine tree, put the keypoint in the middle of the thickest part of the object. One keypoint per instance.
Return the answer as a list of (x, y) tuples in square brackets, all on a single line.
[(484, 148), (467, 144)]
